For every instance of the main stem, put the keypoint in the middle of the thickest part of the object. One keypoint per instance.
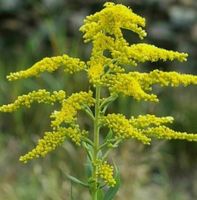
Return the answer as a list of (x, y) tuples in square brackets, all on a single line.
[(96, 142)]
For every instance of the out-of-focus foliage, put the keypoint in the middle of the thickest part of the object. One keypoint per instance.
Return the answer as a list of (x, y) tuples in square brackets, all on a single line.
[(30, 30)]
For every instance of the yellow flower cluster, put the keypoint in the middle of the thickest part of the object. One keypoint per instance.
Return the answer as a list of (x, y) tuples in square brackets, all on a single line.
[(144, 128), (119, 52), (101, 43), (122, 128), (40, 96), (52, 140), (69, 64), (104, 30), (74, 133), (143, 121), (99, 66), (163, 132), (105, 172), (172, 79), (110, 20), (95, 72), (137, 84), (145, 52), (127, 85), (70, 106)]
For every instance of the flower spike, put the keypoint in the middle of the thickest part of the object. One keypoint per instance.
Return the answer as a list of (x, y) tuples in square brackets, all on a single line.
[(69, 65)]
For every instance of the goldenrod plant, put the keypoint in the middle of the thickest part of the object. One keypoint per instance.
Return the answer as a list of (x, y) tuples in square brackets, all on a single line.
[(112, 68)]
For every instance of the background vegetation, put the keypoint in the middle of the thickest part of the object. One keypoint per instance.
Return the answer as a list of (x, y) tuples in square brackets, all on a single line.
[(31, 30)]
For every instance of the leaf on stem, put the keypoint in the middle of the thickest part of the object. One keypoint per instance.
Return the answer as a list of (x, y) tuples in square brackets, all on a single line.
[(77, 181)]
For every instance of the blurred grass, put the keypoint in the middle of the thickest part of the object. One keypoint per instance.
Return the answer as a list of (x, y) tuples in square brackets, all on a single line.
[(162, 171)]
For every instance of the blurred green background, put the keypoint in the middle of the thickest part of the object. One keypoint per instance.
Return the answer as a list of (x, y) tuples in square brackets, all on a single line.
[(33, 29)]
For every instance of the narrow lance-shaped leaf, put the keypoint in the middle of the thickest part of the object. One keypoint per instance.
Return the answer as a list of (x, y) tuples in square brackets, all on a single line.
[(76, 180)]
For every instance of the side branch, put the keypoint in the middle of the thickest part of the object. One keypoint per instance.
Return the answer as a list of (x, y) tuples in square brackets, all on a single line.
[(40, 96), (69, 64)]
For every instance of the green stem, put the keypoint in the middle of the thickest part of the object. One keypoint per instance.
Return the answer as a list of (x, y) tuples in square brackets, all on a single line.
[(96, 142), (108, 151)]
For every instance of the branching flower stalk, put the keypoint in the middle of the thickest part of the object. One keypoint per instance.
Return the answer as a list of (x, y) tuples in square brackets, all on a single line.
[(112, 72)]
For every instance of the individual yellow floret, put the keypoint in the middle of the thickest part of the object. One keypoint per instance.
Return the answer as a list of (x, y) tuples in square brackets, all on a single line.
[(70, 107), (40, 96), (105, 172), (69, 64), (122, 128), (163, 132), (143, 121)]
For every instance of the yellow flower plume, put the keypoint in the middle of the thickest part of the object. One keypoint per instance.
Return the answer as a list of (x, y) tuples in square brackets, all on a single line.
[(52, 140), (122, 128), (140, 53), (129, 86), (40, 96), (143, 121), (144, 127), (110, 20), (69, 65), (163, 132), (138, 85)]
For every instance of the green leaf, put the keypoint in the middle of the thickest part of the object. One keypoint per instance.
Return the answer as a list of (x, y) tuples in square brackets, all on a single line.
[(107, 101), (89, 149), (75, 180), (100, 154), (109, 136), (88, 168), (88, 111), (110, 194)]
